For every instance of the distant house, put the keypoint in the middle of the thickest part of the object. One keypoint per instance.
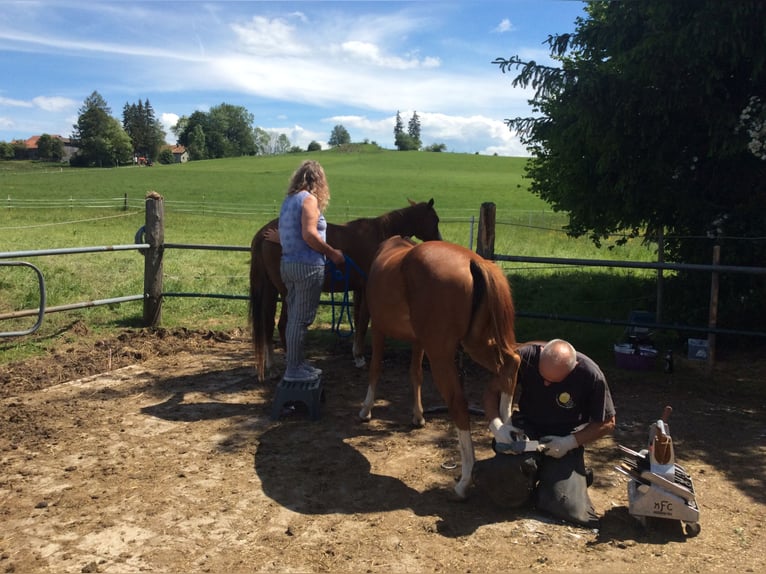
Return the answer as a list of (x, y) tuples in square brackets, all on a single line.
[(31, 145), (180, 154)]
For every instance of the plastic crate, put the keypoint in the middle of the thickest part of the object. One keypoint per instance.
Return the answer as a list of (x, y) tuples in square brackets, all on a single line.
[(698, 349), (635, 358)]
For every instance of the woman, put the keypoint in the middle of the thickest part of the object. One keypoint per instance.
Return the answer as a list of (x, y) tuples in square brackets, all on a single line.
[(302, 233)]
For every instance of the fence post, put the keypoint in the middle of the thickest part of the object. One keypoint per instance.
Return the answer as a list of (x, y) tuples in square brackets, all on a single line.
[(713, 310), (155, 237), (485, 240)]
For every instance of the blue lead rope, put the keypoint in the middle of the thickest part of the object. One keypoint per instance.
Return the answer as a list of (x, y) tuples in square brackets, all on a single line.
[(342, 276)]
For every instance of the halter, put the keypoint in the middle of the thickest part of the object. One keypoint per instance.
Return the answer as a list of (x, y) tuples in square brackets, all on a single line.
[(345, 305)]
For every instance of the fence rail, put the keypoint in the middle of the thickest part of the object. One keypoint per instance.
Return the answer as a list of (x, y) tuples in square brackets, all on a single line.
[(150, 242)]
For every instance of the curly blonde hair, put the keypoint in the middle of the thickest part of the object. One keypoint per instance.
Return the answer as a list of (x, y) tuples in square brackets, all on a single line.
[(310, 176)]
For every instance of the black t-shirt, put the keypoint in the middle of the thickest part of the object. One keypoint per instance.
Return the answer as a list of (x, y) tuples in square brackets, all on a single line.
[(557, 409)]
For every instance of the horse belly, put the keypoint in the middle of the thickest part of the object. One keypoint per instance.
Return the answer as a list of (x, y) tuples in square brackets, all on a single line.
[(389, 311)]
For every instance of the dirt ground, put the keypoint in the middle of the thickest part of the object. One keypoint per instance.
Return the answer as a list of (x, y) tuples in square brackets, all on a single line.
[(156, 452)]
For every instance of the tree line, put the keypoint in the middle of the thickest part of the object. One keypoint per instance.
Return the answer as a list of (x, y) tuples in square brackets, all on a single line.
[(225, 130)]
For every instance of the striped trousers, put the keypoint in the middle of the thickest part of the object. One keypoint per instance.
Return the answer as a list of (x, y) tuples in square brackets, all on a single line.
[(304, 288)]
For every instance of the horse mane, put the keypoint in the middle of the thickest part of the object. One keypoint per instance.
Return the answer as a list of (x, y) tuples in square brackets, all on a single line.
[(391, 223)]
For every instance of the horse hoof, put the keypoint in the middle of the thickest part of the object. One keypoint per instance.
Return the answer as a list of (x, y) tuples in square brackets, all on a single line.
[(365, 416), (359, 362), (418, 423), (456, 496)]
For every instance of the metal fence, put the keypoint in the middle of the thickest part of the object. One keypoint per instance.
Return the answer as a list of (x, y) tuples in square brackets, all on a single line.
[(152, 245)]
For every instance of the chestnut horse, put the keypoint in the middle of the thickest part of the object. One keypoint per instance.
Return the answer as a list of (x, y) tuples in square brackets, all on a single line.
[(440, 296), (359, 240)]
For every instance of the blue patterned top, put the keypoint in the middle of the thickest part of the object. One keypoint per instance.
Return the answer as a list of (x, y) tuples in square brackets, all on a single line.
[(294, 248)]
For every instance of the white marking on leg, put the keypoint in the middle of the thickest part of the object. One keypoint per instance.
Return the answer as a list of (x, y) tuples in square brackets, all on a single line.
[(358, 352), (506, 406), (467, 459), (366, 413)]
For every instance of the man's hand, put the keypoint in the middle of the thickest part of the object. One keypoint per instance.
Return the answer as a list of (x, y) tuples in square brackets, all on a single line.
[(558, 446), (505, 433)]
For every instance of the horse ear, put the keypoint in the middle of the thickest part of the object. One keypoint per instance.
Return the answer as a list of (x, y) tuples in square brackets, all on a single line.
[(412, 202), (431, 202)]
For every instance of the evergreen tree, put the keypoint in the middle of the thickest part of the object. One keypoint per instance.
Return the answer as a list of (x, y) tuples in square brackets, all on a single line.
[(413, 130), (398, 126), (145, 131), (100, 137)]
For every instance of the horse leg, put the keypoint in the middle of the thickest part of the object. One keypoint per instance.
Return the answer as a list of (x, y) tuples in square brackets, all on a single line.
[(467, 459), (447, 380), (269, 312), (506, 407), (416, 378), (376, 364), (361, 321)]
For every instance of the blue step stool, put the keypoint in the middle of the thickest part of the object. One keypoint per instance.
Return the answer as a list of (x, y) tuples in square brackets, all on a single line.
[(308, 392)]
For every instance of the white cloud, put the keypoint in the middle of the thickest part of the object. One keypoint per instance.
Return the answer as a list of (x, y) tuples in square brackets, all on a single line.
[(14, 103), (263, 37), (54, 104), (367, 52), (167, 121), (505, 25)]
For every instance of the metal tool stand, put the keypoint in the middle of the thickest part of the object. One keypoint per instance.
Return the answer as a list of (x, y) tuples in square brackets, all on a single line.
[(659, 487), (308, 392)]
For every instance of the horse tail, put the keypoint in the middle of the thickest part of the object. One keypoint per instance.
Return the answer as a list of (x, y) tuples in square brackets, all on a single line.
[(262, 293), (492, 288)]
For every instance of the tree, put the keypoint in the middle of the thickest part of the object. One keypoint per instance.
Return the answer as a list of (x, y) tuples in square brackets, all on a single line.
[(398, 127), (411, 139), (438, 147), (270, 142), (314, 146), (339, 136), (100, 138), (6, 151), (232, 131), (50, 148), (413, 129), (166, 156), (145, 131), (224, 131), (262, 139), (640, 128), (282, 144)]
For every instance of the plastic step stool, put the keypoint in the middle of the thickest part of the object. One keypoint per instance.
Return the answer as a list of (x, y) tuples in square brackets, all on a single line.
[(308, 392)]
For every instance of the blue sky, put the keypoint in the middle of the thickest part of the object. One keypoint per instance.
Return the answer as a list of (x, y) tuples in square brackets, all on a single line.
[(299, 67)]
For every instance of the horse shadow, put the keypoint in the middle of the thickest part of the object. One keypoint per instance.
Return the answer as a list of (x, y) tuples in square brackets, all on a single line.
[(312, 467), (313, 470)]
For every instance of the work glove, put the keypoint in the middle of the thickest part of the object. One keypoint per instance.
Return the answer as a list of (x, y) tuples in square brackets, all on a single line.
[(558, 446), (505, 434)]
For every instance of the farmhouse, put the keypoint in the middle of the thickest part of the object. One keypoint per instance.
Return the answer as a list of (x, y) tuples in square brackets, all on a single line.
[(180, 154), (31, 146)]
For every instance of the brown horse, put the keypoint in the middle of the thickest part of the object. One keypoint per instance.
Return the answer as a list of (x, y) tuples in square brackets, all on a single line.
[(359, 240), (439, 296)]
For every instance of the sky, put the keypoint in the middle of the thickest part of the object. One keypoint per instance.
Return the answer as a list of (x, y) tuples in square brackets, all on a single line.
[(300, 68)]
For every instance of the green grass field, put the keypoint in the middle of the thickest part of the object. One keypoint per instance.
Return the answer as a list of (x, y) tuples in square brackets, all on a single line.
[(223, 202)]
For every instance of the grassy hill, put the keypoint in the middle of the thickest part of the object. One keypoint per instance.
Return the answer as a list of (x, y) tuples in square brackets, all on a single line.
[(223, 202)]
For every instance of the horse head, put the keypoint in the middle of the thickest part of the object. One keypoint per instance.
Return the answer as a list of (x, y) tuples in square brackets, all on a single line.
[(421, 221)]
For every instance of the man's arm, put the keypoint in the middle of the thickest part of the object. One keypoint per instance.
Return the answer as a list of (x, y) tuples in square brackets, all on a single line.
[(595, 430)]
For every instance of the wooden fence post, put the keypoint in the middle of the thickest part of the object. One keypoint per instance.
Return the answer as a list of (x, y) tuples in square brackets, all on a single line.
[(713, 309), (485, 241), (155, 237)]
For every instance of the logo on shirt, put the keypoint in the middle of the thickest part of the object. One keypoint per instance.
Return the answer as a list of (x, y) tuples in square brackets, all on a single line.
[(564, 400)]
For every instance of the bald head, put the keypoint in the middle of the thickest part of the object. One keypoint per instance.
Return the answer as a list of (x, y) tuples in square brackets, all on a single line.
[(557, 359)]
